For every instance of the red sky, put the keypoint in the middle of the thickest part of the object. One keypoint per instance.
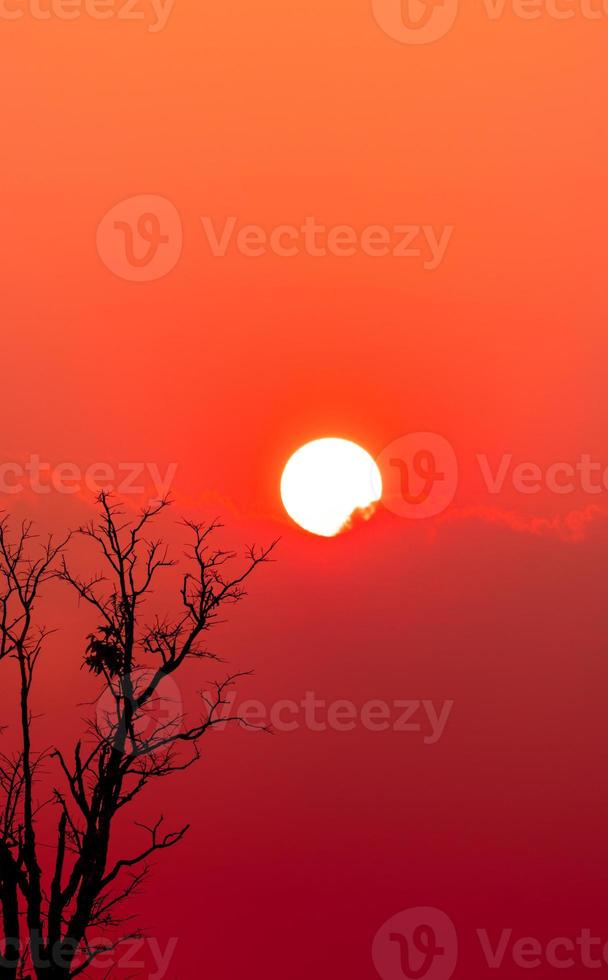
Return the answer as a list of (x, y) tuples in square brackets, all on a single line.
[(304, 844)]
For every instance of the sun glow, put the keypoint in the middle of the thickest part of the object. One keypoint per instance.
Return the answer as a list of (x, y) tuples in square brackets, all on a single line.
[(326, 482)]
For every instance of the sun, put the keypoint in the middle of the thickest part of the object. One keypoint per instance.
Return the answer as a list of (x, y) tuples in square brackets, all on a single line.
[(326, 482)]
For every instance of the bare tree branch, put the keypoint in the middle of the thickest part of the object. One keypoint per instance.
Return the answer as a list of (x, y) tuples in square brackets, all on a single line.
[(125, 745)]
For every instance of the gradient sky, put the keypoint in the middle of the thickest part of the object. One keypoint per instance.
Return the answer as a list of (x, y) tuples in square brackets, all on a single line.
[(304, 844)]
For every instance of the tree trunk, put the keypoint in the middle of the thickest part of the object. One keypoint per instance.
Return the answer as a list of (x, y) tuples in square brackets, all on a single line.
[(11, 954)]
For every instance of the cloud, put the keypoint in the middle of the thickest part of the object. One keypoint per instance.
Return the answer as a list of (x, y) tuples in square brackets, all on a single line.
[(572, 526)]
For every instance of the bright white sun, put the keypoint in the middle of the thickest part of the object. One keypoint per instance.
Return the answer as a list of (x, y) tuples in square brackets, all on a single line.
[(326, 481)]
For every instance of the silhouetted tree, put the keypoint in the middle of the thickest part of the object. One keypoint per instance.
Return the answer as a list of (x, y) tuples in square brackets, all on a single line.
[(47, 923)]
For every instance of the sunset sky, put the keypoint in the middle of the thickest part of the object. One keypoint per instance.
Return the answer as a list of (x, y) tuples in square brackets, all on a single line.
[(488, 148)]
